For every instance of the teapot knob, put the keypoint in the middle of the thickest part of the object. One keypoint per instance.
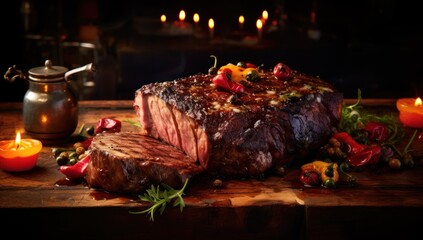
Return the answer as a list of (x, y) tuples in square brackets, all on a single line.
[(48, 63)]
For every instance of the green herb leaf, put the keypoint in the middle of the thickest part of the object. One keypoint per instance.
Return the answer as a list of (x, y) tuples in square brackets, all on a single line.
[(132, 122), (160, 198), (354, 118)]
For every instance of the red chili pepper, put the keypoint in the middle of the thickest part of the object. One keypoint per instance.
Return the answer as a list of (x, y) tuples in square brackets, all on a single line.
[(78, 170), (108, 125), (250, 65), (87, 142), (369, 155), (310, 178), (377, 131), (360, 154), (282, 71), (346, 138), (224, 80)]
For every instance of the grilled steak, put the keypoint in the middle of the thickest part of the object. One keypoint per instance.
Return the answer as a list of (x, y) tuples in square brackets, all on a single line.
[(271, 123), (131, 162)]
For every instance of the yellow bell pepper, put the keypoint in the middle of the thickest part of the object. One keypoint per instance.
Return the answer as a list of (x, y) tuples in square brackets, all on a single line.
[(328, 171), (238, 73)]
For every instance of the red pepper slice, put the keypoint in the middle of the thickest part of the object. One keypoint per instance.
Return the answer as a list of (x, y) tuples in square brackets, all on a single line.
[(369, 155), (310, 178), (78, 170), (87, 142), (250, 65), (223, 80), (346, 138), (108, 125), (359, 155)]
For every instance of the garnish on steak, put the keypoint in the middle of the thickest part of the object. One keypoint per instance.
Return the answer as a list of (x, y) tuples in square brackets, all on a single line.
[(271, 123)]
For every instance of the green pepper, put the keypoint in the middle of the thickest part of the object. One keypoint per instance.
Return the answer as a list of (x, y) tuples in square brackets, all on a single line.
[(329, 183), (252, 76)]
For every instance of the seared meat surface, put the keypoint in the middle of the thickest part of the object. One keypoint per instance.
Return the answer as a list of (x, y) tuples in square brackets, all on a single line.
[(130, 162), (270, 124)]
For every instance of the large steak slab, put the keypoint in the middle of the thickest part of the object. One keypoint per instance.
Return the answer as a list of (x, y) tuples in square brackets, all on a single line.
[(270, 124)]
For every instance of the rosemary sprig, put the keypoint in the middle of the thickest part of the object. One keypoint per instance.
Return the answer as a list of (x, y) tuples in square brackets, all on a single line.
[(351, 117), (160, 198)]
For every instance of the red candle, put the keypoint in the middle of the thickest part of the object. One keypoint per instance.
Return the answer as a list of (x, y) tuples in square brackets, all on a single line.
[(411, 112), (19, 154)]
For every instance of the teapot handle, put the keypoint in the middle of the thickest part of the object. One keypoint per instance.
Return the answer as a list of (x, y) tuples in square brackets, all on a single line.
[(12, 73), (89, 67)]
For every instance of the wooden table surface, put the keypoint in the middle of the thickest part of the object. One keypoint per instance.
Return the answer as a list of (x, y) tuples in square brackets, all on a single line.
[(384, 204)]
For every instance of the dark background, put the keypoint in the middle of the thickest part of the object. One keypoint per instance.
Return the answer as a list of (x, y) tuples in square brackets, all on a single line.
[(372, 45)]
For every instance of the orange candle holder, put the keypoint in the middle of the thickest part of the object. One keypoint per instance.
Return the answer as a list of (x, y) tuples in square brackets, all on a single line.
[(19, 155), (410, 112)]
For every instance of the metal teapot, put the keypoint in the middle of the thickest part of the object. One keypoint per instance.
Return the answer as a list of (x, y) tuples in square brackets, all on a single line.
[(50, 106)]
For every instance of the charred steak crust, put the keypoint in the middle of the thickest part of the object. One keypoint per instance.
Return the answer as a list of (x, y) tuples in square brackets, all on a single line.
[(270, 124), (130, 162)]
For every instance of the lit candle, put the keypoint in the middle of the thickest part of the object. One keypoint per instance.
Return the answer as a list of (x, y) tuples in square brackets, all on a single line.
[(182, 16), (211, 28), (265, 16), (241, 21), (411, 112), (259, 26), (163, 18), (196, 18), (19, 154)]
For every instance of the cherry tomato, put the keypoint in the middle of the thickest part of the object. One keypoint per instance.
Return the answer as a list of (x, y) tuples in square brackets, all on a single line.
[(282, 71), (377, 131)]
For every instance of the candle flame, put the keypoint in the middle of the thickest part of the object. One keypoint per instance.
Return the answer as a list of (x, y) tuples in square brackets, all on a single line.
[(182, 15), (211, 23), (418, 102), (44, 118), (163, 18), (241, 19), (259, 24), (18, 140), (196, 18), (265, 15)]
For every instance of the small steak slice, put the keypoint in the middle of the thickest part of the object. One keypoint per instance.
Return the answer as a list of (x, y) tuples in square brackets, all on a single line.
[(127, 162)]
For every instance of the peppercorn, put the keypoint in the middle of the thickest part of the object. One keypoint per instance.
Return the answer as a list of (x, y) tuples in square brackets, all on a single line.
[(217, 183), (80, 150), (60, 160)]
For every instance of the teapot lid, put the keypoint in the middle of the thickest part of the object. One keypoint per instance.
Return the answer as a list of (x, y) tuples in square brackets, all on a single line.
[(47, 73)]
